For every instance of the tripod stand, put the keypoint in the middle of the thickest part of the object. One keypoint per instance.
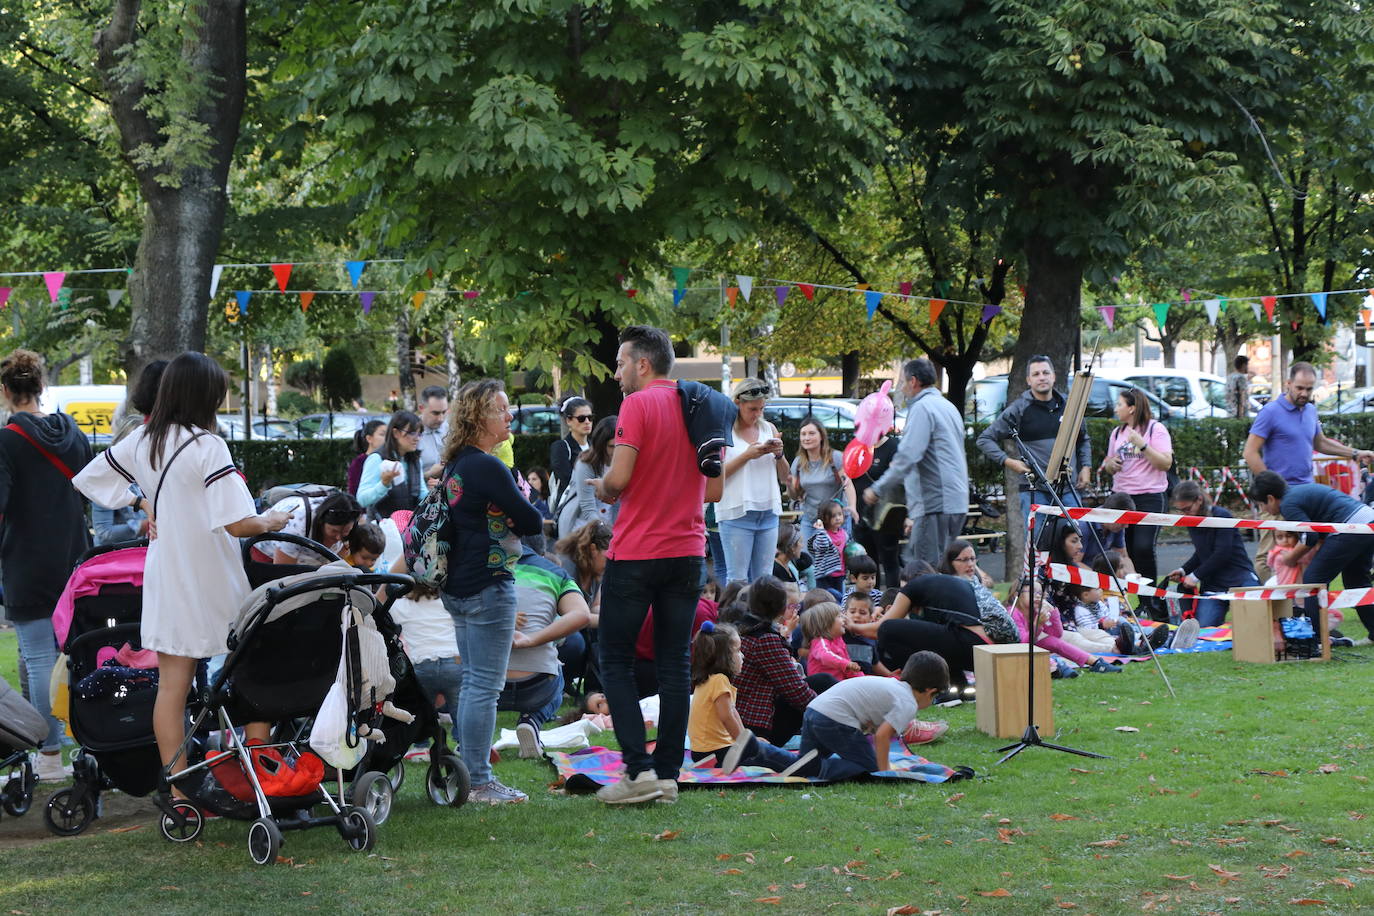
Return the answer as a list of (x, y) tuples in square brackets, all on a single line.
[(1031, 736)]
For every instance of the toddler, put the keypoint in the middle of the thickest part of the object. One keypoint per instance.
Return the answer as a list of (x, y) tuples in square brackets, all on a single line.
[(1049, 633), (823, 627), (827, 548), (714, 728), (1288, 564), (861, 576), (862, 649), (1088, 627)]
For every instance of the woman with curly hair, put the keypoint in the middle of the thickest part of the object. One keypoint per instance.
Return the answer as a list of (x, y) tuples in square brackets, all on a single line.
[(487, 516)]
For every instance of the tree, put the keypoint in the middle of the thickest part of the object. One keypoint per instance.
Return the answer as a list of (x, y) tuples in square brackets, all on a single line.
[(339, 379), (544, 152)]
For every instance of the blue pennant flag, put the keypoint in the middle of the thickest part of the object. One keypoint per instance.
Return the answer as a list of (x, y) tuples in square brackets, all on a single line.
[(677, 296), (871, 300), (355, 271), (243, 296), (1319, 300)]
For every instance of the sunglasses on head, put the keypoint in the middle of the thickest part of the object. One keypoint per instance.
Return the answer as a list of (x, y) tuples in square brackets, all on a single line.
[(761, 391)]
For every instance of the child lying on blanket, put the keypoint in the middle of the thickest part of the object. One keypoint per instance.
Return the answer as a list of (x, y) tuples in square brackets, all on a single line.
[(839, 721), (714, 727)]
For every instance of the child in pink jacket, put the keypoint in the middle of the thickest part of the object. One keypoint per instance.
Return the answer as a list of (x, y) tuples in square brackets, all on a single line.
[(823, 627)]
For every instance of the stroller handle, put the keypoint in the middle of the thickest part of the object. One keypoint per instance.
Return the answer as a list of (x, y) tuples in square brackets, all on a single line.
[(98, 549), (401, 583), (314, 546)]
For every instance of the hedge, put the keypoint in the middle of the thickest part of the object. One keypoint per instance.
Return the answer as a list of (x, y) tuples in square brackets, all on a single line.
[(1197, 443)]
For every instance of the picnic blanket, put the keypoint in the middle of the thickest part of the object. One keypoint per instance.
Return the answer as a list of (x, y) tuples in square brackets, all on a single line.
[(1209, 639), (591, 768)]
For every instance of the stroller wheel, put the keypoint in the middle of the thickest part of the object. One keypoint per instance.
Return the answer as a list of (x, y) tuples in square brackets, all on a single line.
[(66, 817), (358, 829), (18, 793), (264, 841), (182, 833), (398, 776), (448, 781), (373, 793)]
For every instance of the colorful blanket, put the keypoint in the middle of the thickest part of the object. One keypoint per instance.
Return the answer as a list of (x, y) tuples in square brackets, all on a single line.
[(1209, 639), (591, 768)]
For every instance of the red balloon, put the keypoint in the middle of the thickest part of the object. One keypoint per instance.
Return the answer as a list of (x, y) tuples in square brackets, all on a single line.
[(858, 458)]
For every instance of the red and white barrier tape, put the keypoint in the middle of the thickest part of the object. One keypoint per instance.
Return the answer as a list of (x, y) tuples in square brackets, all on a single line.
[(1127, 517), (1076, 575)]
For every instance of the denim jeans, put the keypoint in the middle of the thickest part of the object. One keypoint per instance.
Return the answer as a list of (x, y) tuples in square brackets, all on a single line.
[(1069, 498), (750, 542), (38, 646), (484, 624), (719, 571), (854, 755), (757, 753), (671, 585), (442, 676), (1348, 556), (536, 697), (1212, 613)]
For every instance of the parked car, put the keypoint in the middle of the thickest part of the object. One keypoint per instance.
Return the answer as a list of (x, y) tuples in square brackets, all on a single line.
[(989, 396), (537, 419), (1194, 394), (93, 407), (231, 427), (786, 414), (1349, 400), (334, 425)]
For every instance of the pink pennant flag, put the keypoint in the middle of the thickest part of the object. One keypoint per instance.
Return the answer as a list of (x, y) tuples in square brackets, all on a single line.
[(1187, 295), (470, 294), (367, 301), (54, 280), (781, 292), (283, 273), (1108, 315), (6, 290)]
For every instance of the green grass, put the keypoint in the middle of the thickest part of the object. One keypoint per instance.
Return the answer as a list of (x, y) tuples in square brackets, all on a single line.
[(1217, 804)]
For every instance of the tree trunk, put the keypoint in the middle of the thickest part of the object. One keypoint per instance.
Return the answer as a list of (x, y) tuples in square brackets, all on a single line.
[(849, 374), (451, 362), (269, 370), (604, 393), (1168, 348), (184, 204)]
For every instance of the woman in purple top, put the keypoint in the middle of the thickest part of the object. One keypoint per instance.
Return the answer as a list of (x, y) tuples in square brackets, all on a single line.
[(366, 440), (1139, 453)]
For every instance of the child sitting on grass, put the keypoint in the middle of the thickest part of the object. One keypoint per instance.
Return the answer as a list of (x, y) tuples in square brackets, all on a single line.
[(1049, 632), (714, 727), (862, 649), (861, 577), (838, 722), (823, 627)]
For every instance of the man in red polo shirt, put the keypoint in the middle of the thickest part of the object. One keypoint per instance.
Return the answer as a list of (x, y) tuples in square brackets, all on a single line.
[(656, 558)]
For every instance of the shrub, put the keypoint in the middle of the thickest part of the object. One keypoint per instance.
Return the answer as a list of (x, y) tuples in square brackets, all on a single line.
[(292, 404), (339, 374)]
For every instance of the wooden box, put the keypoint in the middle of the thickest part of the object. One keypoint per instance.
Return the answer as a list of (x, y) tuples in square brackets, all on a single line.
[(1001, 672), (1255, 629)]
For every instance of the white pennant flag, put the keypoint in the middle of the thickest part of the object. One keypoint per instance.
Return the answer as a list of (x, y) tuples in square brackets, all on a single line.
[(1259, 316), (1212, 306), (746, 285), (214, 279), (115, 295)]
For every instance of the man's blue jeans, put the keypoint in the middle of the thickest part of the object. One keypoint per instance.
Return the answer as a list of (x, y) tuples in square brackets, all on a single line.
[(853, 752), (671, 586)]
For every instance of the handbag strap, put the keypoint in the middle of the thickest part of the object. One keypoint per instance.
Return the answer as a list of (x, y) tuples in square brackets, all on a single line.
[(163, 479), (52, 459)]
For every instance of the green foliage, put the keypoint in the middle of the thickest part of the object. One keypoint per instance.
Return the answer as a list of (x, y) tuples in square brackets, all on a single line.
[(306, 374), (339, 378), (296, 403), (267, 463)]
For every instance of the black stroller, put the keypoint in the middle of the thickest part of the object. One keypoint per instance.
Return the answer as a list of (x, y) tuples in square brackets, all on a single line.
[(22, 728), (112, 720), (382, 770), (284, 654)]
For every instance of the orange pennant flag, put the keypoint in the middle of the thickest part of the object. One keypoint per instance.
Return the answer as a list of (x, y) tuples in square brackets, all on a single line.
[(730, 293), (306, 299), (418, 299), (861, 286), (283, 273), (936, 307), (807, 290), (1366, 314)]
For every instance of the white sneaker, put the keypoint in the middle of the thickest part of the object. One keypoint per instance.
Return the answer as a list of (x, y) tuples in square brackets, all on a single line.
[(531, 747), (802, 761), (1185, 637), (494, 793), (49, 768), (736, 751), (642, 788)]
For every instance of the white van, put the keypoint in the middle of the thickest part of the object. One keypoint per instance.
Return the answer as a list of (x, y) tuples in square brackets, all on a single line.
[(93, 407), (1194, 394)]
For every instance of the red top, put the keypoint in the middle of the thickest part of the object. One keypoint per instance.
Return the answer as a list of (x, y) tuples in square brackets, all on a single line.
[(661, 509)]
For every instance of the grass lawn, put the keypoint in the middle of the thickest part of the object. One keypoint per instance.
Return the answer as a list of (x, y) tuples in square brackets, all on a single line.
[(1249, 793)]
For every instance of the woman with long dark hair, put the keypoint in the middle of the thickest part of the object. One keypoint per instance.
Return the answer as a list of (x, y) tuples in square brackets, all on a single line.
[(581, 505), (1139, 453), (115, 525), (44, 529), (367, 441), (563, 453), (392, 478), (194, 581), (818, 478), (327, 520)]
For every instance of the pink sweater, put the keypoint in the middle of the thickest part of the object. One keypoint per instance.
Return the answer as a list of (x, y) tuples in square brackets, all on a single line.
[(829, 656)]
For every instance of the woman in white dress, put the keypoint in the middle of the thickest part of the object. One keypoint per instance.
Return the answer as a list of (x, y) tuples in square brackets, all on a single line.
[(194, 581)]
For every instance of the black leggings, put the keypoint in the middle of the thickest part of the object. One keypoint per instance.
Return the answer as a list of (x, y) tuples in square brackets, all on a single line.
[(899, 639), (787, 719), (1140, 547)]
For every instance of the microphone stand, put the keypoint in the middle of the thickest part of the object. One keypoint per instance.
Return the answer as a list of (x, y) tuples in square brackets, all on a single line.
[(1031, 736)]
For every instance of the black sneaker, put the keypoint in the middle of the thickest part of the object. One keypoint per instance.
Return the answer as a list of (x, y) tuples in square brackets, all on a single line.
[(1125, 640), (1158, 636)]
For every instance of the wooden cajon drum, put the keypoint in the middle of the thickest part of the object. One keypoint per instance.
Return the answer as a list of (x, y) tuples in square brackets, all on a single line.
[(1001, 672), (1254, 627)]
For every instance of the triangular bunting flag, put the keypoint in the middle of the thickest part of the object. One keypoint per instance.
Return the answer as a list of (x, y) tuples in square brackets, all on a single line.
[(54, 280), (366, 299), (1256, 307), (862, 286), (1364, 314), (1269, 303), (746, 285), (306, 299), (680, 275), (631, 293), (677, 297), (6, 290), (730, 293), (1108, 315), (943, 287), (243, 296), (64, 297), (807, 290), (471, 293), (355, 271), (283, 273), (418, 299), (936, 307), (1319, 300), (215, 273), (781, 292), (1187, 295), (904, 287), (990, 312), (1161, 310), (1212, 306), (114, 295), (1223, 305), (871, 300)]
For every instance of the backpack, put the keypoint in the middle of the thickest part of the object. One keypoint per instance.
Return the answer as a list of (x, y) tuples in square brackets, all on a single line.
[(424, 542)]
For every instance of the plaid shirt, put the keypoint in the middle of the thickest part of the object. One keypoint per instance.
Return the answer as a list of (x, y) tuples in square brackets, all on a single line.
[(769, 671)]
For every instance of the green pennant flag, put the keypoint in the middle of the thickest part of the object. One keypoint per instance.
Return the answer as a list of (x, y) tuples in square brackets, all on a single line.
[(680, 276), (1223, 306), (1161, 310)]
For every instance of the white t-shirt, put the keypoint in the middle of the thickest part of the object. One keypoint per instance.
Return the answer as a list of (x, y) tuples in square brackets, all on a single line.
[(754, 487), (867, 702), (426, 629), (296, 505)]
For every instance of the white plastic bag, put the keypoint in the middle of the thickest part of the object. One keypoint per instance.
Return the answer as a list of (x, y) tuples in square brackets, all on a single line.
[(330, 734)]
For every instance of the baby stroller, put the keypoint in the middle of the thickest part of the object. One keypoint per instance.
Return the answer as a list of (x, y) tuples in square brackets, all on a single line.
[(22, 728), (284, 655), (382, 770), (110, 709)]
